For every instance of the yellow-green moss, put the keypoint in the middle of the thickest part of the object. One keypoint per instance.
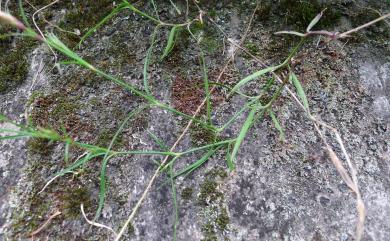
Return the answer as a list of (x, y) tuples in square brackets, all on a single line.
[(14, 63), (223, 219), (71, 200), (202, 136), (217, 172), (209, 192), (187, 192), (56, 111), (105, 137), (300, 13), (40, 146), (209, 233), (130, 230)]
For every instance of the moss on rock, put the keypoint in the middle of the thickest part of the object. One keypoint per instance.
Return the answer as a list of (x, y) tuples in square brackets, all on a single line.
[(300, 13)]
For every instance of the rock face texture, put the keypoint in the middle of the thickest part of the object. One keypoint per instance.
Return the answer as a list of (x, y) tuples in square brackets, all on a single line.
[(278, 190)]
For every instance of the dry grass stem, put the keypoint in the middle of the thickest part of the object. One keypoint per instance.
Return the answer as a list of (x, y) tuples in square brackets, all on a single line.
[(45, 224)]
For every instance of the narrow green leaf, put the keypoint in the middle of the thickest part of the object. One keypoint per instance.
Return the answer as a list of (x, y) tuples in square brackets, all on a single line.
[(229, 161), (12, 137), (277, 124), (171, 41), (134, 9), (158, 141), (78, 163), (244, 130), (174, 199), (107, 157), (23, 14), (315, 21), (190, 168), (116, 10), (147, 60), (206, 88), (252, 77), (299, 89)]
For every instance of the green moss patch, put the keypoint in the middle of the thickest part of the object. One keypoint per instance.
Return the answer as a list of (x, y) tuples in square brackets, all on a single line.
[(72, 199), (300, 13), (82, 15), (59, 112), (14, 61), (187, 192)]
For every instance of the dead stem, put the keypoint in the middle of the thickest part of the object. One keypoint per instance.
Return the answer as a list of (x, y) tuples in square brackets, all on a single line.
[(46, 223)]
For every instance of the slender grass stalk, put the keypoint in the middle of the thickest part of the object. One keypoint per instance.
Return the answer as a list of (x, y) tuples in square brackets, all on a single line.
[(206, 88), (158, 141), (224, 142), (277, 124), (155, 9), (23, 14), (91, 31), (106, 158), (244, 130), (175, 7), (137, 11), (195, 165), (254, 76), (174, 200), (147, 60)]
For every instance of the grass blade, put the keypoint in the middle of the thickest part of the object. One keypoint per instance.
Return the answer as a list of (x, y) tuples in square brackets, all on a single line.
[(66, 154), (252, 77), (23, 14), (300, 91), (12, 137), (134, 9), (171, 41), (277, 125), (158, 141), (244, 130), (116, 10), (147, 61), (174, 200), (314, 21), (175, 7), (190, 168), (78, 163), (229, 161), (107, 157), (206, 87)]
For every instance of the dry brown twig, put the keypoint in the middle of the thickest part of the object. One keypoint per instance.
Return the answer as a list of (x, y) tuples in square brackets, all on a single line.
[(334, 35), (45, 224), (95, 223)]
